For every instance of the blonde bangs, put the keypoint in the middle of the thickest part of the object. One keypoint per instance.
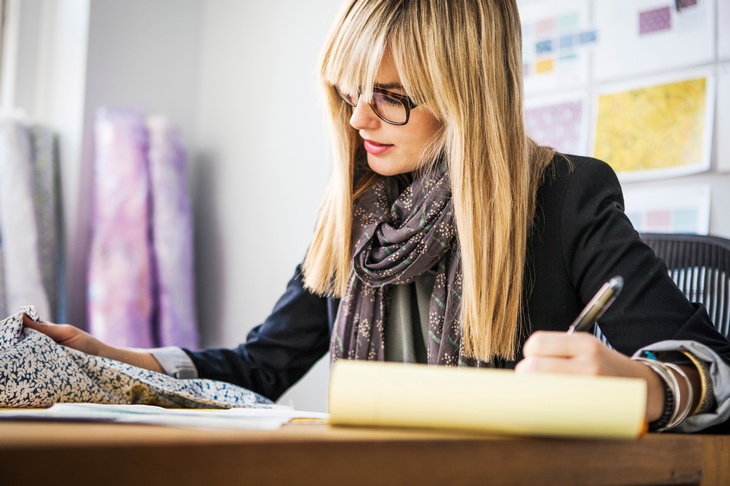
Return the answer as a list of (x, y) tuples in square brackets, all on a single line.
[(355, 48)]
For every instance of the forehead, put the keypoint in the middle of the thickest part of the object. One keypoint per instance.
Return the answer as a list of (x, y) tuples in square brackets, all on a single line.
[(387, 72)]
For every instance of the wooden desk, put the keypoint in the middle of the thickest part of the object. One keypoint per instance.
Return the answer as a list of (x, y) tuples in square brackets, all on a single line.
[(103, 454)]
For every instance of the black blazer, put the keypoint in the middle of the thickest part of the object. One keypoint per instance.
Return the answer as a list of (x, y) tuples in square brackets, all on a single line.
[(580, 239)]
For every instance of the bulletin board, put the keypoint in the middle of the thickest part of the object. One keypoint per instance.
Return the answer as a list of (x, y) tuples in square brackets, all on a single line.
[(645, 36)]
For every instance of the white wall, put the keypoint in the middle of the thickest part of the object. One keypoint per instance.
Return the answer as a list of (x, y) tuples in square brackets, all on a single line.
[(261, 165)]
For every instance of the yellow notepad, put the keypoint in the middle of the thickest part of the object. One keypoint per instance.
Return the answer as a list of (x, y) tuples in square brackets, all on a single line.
[(496, 401)]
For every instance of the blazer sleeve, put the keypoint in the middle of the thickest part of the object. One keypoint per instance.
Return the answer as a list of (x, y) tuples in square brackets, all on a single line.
[(278, 352), (599, 242)]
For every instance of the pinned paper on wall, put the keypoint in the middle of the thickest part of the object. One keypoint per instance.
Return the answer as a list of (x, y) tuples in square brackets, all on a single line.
[(660, 127), (644, 36), (560, 122), (681, 209), (655, 20), (556, 36), (723, 118)]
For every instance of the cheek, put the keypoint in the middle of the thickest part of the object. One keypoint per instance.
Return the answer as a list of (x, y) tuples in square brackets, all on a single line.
[(425, 128)]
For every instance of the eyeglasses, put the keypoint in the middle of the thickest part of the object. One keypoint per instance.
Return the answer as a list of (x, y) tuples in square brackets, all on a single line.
[(390, 107)]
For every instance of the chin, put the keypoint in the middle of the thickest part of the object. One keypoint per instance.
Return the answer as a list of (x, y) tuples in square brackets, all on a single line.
[(388, 168)]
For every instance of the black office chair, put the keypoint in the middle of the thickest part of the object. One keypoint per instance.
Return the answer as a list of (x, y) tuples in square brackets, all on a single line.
[(700, 265)]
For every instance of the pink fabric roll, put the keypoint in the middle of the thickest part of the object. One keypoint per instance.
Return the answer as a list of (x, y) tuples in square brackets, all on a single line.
[(120, 265), (172, 237)]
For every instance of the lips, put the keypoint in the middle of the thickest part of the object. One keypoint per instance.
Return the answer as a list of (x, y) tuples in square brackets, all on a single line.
[(375, 148)]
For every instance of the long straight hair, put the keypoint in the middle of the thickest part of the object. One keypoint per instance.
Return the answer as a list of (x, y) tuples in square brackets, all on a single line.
[(461, 60)]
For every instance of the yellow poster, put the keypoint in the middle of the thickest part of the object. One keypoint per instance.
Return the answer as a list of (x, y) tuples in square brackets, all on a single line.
[(663, 129)]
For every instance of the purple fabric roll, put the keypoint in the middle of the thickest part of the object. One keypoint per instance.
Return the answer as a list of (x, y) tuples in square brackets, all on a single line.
[(172, 237), (120, 267)]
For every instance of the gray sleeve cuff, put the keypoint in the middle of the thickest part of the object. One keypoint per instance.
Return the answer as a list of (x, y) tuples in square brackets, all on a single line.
[(175, 362), (720, 373)]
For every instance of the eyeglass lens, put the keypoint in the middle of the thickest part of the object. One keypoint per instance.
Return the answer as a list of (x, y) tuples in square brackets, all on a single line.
[(389, 108), (386, 107)]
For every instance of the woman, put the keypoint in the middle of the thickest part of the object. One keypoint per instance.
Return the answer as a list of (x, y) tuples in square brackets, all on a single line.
[(452, 238)]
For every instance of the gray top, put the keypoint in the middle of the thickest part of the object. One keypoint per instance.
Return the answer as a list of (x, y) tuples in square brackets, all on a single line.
[(406, 327)]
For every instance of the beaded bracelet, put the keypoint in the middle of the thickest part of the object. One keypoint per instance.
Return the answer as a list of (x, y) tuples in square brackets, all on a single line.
[(666, 416)]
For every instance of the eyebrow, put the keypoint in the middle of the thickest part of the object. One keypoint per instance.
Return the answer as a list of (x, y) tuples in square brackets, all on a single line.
[(389, 86)]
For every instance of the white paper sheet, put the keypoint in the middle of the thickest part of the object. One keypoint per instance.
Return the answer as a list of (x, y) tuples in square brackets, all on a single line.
[(656, 127), (677, 209), (559, 121), (645, 36), (556, 43), (233, 418)]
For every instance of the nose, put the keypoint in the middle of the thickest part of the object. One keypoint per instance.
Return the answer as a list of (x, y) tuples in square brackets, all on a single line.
[(363, 116)]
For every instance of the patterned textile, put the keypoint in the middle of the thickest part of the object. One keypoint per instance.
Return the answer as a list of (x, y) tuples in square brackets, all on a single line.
[(120, 263), (37, 372), (172, 237), (399, 236), (45, 185), (18, 224)]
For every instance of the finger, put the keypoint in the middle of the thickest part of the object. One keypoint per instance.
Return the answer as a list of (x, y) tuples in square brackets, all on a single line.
[(560, 344), (28, 322), (54, 331), (558, 365)]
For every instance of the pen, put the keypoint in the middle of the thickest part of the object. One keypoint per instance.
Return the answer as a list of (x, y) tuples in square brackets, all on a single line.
[(597, 305)]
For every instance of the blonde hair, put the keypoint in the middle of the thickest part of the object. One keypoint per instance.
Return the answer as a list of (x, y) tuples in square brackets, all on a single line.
[(461, 60)]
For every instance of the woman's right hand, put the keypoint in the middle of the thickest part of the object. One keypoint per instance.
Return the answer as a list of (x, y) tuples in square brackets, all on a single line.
[(75, 338)]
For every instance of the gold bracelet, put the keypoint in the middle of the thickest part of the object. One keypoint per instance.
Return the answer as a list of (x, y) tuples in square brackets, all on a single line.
[(707, 395)]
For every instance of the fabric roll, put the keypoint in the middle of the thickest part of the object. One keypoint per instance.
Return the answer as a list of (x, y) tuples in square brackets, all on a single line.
[(37, 372), (18, 223), (120, 268), (45, 185), (3, 308), (172, 237)]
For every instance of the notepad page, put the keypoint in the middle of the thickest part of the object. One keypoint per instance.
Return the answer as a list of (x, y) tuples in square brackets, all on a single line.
[(498, 401)]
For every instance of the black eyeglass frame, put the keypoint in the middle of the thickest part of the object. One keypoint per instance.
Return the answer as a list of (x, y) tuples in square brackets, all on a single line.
[(404, 100)]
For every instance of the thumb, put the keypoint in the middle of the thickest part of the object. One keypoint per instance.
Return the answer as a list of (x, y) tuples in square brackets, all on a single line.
[(53, 331)]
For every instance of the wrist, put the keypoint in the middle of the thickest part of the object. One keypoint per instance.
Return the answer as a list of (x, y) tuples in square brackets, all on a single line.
[(655, 394), (140, 358), (678, 390)]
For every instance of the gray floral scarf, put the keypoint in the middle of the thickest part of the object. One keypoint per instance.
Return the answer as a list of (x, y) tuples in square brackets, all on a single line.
[(399, 236)]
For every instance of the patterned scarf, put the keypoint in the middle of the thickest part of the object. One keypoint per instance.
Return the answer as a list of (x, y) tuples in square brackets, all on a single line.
[(399, 236)]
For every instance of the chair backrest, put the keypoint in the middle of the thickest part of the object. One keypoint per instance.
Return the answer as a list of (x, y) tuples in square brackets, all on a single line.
[(700, 265)]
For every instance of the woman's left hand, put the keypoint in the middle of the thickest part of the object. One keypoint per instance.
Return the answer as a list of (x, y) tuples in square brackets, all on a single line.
[(583, 354)]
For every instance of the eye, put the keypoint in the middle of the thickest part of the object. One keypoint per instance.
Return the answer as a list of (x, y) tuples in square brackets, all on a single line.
[(388, 100)]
